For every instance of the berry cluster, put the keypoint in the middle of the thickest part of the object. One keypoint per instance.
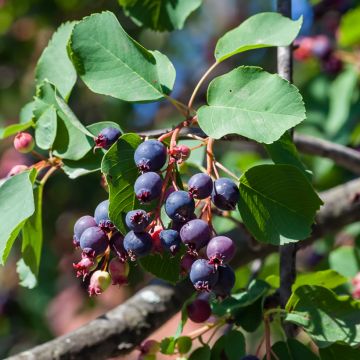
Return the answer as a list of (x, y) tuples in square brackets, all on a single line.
[(97, 236), (319, 47)]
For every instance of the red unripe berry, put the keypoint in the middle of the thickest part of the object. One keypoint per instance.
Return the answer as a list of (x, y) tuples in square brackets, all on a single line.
[(155, 235), (24, 142), (199, 310), (180, 153), (119, 271), (99, 282)]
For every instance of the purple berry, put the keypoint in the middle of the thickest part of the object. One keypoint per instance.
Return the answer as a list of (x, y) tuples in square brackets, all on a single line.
[(186, 262), (225, 282), (199, 310), (94, 241), (101, 216), (195, 234), (321, 46), (148, 187), (137, 220), (150, 156), (225, 194), (202, 275), (81, 225), (180, 206), (220, 249), (137, 244), (107, 137), (200, 186), (170, 240), (249, 357), (117, 245)]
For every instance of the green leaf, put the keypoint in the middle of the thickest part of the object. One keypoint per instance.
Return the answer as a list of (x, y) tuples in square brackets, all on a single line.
[(259, 31), (326, 278), (234, 345), (97, 127), (26, 113), (203, 353), (73, 140), (339, 351), (163, 266), (218, 348), (54, 63), (326, 317), (184, 344), (341, 97), (253, 103), (283, 151), (292, 350), (161, 15), (345, 260), (16, 206), (14, 129), (256, 290), (121, 173), (349, 32), (32, 239), (166, 71), (46, 125), (111, 63), (277, 203)]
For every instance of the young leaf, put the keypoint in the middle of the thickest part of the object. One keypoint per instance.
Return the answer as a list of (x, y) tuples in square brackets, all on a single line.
[(32, 239), (163, 15), (292, 349), (349, 32), (54, 63), (184, 344), (277, 203), (167, 345), (339, 351), (16, 206), (121, 173), (163, 266), (258, 31), (325, 316), (253, 103), (111, 63), (14, 129)]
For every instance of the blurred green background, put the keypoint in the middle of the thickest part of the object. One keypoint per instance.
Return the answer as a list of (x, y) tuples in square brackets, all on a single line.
[(60, 303)]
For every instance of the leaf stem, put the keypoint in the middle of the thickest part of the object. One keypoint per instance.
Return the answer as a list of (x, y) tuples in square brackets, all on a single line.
[(47, 175), (226, 170), (197, 87)]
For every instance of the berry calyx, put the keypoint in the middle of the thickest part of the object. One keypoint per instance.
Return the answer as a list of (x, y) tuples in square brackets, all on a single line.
[(85, 266), (150, 156), (119, 271), (202, 275), (148, 187), (99, 282), (225, 194), (199, 310), (137, 220), (200, 186), (180, 153), (107, 137), (24, 142), (220, 250)]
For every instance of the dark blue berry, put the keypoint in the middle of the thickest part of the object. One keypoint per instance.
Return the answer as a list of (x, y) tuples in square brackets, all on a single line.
[(148, 187), (94, 241), (101, 216), (170, 240), (137, 220), (195, 234), (249, 357), (225, 194), (150, 156), (199, 310), (137, 244), (117, 245), (225, 282), (180, 206), (200, 186), (220, 249), (202, 275), (81, 225), (107, 137)]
